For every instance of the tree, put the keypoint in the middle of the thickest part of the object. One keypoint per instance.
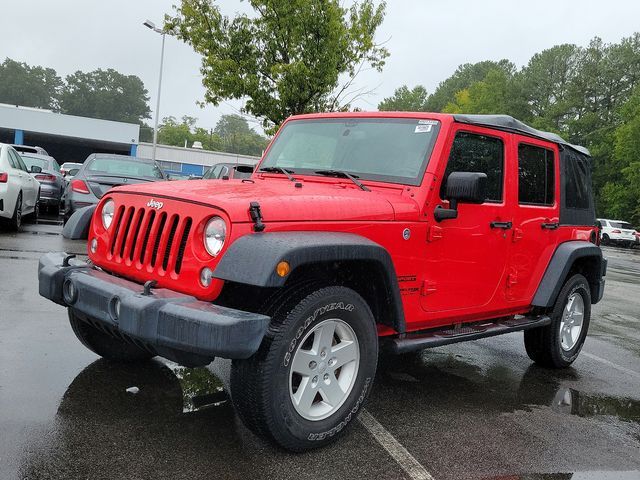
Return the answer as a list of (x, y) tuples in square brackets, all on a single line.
[(185, 133), (491, 95), (28, 86), (465, 76), (105, 94), (286, 59), (237, 137), (403, 99)]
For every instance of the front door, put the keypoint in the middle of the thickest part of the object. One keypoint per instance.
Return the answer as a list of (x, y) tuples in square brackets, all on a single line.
[(465, 257), (536, 217)]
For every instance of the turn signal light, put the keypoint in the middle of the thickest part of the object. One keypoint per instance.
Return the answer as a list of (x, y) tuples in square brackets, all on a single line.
[(283, 269), (79, 186), (4, 177)]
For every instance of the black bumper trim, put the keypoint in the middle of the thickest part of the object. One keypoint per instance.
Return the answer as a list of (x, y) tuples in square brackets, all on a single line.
[(167, 320)]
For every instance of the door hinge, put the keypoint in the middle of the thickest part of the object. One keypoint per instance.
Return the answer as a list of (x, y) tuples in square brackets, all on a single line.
[(435, 233), (428, 288)]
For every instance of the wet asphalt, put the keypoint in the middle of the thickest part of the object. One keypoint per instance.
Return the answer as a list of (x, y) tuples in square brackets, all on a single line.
[(478, 410)]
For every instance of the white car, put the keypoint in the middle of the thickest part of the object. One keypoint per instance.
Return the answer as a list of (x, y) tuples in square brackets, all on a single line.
[(19, 191), (617, 232)]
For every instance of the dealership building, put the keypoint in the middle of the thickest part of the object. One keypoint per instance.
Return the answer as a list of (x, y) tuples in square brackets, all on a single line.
[(69, 138)]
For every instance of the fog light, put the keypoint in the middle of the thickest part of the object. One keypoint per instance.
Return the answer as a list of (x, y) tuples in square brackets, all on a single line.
[(69, 292), (94, 245), (114, 308), (206, 275)]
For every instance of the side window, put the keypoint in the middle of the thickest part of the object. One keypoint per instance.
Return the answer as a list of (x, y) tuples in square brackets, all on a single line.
[(536, 177), (21, 164), (216, 171), (11, 160), (472, 152)]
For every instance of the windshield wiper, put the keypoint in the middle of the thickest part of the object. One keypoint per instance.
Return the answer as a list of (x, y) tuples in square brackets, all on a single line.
[(340, 173), (279, 170)]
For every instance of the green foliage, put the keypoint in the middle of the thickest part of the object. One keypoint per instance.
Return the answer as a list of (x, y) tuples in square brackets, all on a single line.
[(105, 94), (232, 134), (28, 86), (286, 59), (405, 100)]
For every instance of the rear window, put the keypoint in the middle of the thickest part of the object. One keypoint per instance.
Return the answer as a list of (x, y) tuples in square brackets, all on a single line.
[(123, 167), (623, 225), (38, 162)]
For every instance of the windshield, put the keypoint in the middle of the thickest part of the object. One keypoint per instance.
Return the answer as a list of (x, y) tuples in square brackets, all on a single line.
[(38, 162), (624, 225), (386, 149), (123, 167)]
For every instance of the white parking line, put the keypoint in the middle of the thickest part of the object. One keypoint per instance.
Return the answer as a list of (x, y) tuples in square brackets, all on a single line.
[(628, 371), (400, 454)]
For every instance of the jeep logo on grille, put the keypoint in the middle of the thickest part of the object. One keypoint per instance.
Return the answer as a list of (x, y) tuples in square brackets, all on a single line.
[(155, 204)]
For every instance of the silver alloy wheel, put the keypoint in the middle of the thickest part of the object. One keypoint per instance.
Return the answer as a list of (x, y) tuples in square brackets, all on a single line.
[(571, 321), (19, 211), (324, 369)]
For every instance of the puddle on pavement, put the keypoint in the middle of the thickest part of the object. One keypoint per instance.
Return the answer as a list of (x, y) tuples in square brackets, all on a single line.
[(200, 388), (502, 388)]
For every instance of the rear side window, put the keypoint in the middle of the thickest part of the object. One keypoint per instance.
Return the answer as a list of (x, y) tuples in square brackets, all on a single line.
[(577, 184), (536, 178), (471, 152)]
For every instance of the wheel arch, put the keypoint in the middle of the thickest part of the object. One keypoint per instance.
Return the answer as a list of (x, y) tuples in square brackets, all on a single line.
[(570, 258), (326, 257)]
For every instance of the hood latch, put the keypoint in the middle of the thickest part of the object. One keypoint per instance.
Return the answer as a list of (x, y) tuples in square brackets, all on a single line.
[(256, 216)]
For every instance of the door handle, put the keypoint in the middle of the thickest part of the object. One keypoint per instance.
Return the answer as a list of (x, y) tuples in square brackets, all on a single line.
[(504, 225), (550, 226)]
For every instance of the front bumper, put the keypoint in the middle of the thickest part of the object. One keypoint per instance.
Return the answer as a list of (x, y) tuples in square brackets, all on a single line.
[(170, 324)]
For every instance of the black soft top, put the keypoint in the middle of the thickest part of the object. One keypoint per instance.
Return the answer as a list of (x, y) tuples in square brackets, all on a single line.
[(507, 122)]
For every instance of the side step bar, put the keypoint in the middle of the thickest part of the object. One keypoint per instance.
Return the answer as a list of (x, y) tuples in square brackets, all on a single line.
[(445, 336)]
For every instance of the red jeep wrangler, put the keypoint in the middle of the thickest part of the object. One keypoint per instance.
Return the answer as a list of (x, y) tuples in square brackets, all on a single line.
[(357, 232)]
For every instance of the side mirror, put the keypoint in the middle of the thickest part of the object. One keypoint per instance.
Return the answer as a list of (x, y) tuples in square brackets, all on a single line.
[(35, 169), (462, 187)]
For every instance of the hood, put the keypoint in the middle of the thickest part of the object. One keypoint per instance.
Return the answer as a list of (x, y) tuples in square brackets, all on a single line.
[(279, 199)]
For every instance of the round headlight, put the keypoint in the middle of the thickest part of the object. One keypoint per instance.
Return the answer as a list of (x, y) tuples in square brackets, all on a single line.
[(107, 213), (215, 234)]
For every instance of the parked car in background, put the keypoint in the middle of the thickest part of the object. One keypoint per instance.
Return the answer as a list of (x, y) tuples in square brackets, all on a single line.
[(67, 168), (19, 191), (29, 149), (617, 232), (102, 171), (52, 183), (229, 170)]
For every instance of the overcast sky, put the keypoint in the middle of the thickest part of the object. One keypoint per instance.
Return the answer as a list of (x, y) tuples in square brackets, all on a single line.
[(427, 39)]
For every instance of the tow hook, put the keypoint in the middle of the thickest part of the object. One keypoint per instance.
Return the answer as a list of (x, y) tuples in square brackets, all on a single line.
[(148, 285)]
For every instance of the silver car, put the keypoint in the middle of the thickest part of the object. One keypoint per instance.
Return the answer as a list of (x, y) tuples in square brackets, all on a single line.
[(52, 183), (102, 171)]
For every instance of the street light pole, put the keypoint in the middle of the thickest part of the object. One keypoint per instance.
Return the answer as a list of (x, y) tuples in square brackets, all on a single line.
[(152, 26)]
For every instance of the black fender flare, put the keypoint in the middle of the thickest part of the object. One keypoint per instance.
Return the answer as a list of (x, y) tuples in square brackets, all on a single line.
[(252, 260), (77, 227), (558, 269)]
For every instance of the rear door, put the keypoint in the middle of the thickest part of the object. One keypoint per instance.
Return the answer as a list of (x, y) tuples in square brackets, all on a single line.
[(536, 217), (465, 257), (30, 185)]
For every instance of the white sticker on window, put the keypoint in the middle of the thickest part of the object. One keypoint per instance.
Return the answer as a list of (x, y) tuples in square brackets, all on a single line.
[(422, 129), (428, 122)]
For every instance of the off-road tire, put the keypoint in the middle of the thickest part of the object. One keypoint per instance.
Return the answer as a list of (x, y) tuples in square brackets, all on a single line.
[(543, 343), (102, 344), (260, 384), (15, 222)]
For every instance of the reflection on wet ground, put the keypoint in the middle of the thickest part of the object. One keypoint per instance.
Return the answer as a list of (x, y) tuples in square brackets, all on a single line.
[(499, 387), (200, 387)]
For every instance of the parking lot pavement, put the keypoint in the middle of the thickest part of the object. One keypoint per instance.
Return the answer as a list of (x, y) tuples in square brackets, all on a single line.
[(478, 410)]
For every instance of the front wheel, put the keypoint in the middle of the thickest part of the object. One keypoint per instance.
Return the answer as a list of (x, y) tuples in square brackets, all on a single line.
[(558, 344), (313, 371)]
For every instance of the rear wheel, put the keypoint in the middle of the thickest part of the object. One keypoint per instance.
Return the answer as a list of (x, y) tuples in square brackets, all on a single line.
[(557, 345), (15, 223), (105, 345), (605, 239), (33, 217), (313, 371)]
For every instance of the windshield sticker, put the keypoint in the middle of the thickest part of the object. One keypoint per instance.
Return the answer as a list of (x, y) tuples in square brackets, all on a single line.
[(422, 129), (427, 122)]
